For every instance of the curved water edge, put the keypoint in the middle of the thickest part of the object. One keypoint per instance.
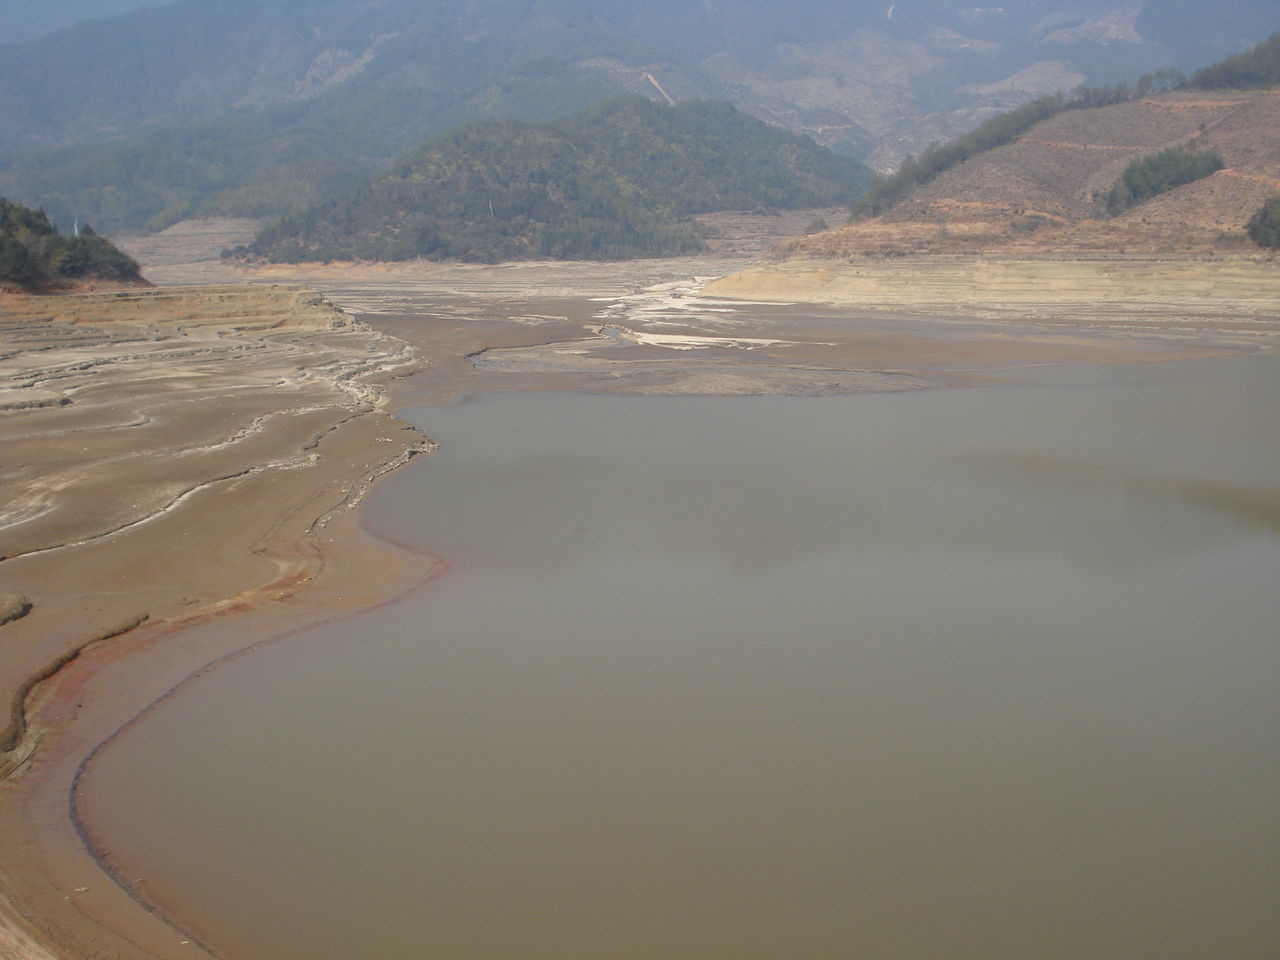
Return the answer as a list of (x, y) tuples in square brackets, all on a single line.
[(430, 566), (315, 546), (1183, 529), (77, 796)]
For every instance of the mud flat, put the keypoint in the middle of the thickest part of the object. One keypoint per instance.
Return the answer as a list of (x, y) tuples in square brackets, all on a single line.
[(172, 456), (693, 325)]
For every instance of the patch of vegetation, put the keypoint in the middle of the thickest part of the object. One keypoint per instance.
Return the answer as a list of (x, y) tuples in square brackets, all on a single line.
[(1264, 226), (617, 180), (34, 254), (1253, 69), (1159, 173)]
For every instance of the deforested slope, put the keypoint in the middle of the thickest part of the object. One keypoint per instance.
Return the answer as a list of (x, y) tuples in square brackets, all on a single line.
[(1166, 166), (1047, 190), (618, 180)]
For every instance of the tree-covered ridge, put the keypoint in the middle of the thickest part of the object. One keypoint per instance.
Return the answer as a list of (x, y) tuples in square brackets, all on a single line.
[(704, 155), (887, 192), (1253, 69), (996, 132), (1159, 173), (33, 253), (617, 180)]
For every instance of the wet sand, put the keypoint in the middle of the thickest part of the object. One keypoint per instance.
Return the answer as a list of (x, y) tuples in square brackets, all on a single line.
[(194, 499)]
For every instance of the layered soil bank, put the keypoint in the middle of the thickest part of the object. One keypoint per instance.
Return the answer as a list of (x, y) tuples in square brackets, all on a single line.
[(1165, 296), (172, 456)]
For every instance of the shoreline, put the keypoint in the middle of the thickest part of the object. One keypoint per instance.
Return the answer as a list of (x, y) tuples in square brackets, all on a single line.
[(208, 641), (263, 539), (298, 657), (80, 815), (332, 569)]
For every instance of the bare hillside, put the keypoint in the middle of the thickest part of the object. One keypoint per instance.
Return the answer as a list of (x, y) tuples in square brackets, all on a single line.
[(1039, 193)]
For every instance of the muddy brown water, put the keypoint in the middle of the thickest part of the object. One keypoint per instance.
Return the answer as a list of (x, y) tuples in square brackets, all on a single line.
[(984, 673)]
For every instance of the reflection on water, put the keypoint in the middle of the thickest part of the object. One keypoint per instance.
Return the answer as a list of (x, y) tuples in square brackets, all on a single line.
[(983, 673)]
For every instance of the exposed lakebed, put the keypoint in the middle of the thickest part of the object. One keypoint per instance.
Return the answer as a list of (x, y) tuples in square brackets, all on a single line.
[(968, 673)]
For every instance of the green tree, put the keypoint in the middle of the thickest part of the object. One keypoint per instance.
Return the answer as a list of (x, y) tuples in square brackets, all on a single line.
[(1264, 226), (16, 264), (1254, 69)]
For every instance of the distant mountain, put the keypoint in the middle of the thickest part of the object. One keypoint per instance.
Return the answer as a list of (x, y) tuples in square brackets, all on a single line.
[(1182, 170), (616, 181), (253, 106), (27, 19), (34, 254)]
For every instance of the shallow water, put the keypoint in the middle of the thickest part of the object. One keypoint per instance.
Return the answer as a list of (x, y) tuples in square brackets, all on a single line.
[(986, 673)]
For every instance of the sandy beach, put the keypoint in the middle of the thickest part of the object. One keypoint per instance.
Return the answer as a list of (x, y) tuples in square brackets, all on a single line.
[(184, 464)]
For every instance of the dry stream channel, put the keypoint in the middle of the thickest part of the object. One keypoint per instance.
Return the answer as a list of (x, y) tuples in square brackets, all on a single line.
[(985, 672)]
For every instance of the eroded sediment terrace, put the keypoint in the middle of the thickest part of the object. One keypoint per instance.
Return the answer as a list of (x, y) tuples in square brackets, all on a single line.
[(169, 456)]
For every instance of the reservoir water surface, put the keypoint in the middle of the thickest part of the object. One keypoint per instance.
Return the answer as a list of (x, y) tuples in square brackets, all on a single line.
[(980, 673)]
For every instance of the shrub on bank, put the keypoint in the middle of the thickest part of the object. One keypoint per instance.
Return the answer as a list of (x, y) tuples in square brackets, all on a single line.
[(1264, 226)]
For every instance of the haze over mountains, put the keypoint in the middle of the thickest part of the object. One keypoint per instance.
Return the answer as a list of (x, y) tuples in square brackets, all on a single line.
[(254, 108)]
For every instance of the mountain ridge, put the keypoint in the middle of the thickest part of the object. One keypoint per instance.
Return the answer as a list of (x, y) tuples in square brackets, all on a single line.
[(236, 101)]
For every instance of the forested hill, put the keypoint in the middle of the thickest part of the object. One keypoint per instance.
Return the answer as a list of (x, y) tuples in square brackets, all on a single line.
[(617, 180), (34, 254)]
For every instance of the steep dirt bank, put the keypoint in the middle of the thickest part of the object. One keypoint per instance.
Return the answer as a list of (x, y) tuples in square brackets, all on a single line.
[(171, 456)]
